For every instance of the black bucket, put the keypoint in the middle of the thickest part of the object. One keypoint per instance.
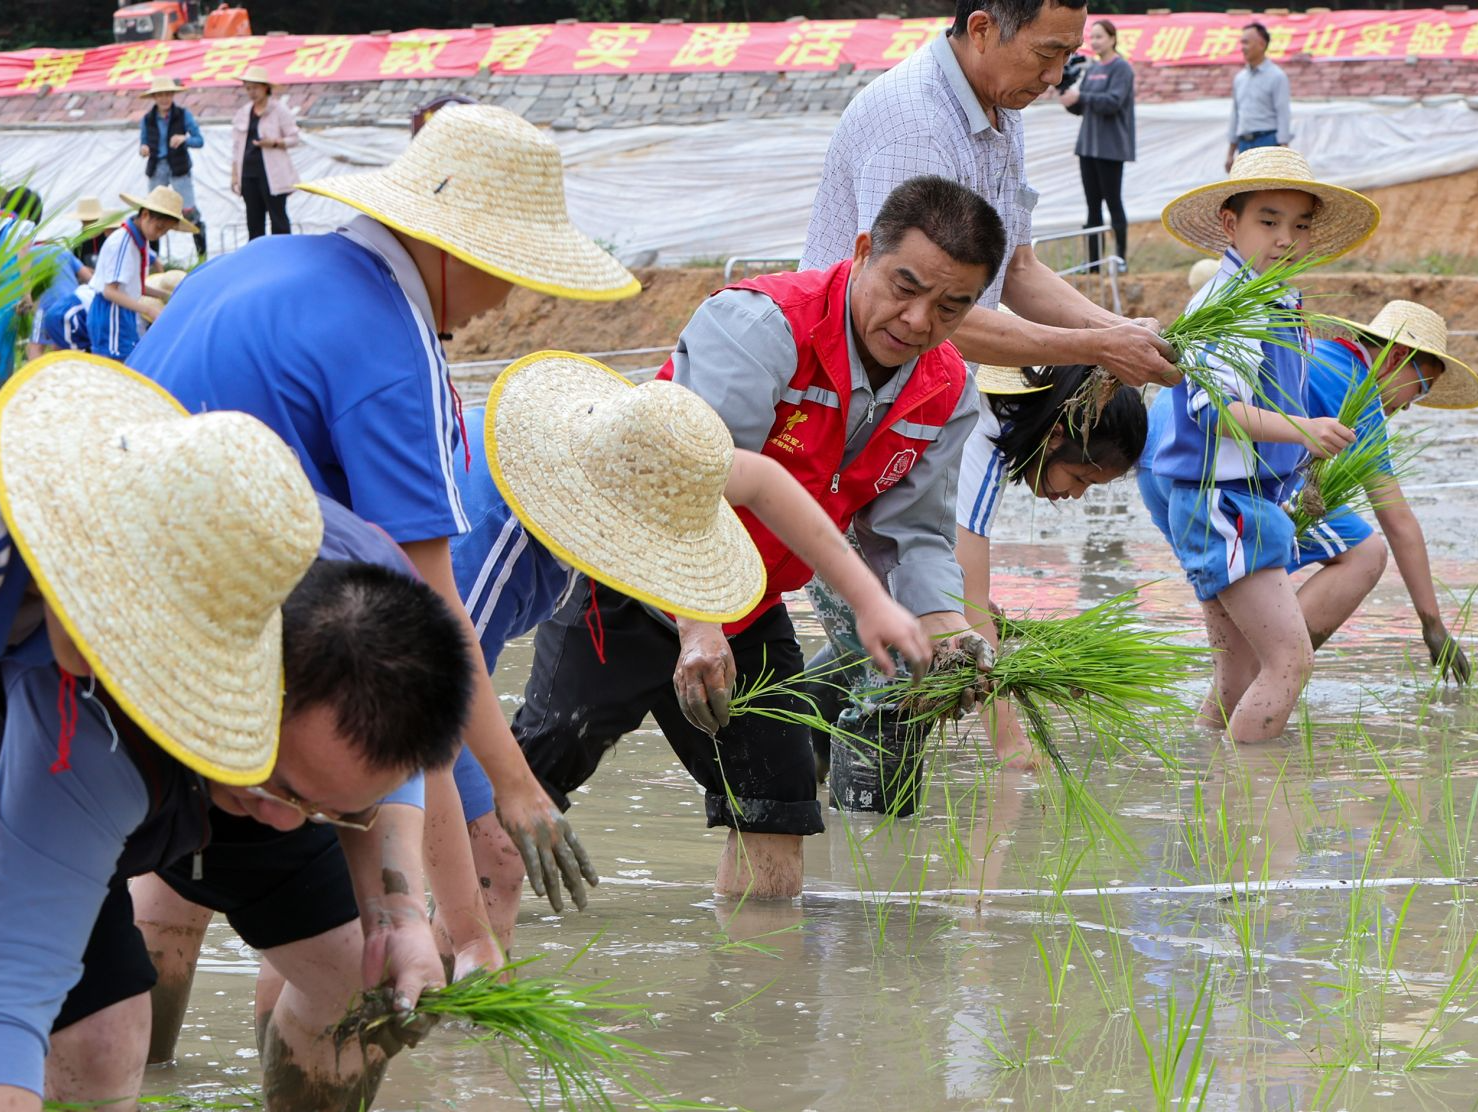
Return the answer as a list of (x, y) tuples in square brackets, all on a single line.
[(884, 777)]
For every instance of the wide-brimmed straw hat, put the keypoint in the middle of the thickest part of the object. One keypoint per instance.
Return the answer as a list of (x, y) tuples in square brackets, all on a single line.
[(991, 378), (166, 545), (255, 75), (89, 210), (488, 187), (625, 483), (162, 85), (1416, 326), (1345, 219), (164, 201)]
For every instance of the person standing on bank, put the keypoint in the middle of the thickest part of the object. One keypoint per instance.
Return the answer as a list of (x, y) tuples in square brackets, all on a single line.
[(262, 172), (1105, 99), (167, 133), (1262, 115)]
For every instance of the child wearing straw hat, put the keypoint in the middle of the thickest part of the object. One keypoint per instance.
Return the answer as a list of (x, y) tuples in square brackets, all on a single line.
[(1417, 367), (1223, 511), (219, 648), (120, 279), (844, 378), (358, 384), (566, 484), (167, 134)]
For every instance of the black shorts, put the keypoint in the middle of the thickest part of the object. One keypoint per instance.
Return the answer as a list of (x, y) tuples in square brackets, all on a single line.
[(273, 888), (576, 708)]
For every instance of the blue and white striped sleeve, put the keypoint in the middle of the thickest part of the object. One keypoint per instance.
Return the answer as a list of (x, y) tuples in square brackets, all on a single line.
[(982, 477)]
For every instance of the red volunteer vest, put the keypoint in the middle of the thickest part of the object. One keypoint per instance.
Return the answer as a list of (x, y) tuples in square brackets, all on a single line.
[(810, 429)]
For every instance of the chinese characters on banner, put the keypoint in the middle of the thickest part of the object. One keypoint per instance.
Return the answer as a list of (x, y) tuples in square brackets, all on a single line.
[(1196, 39)]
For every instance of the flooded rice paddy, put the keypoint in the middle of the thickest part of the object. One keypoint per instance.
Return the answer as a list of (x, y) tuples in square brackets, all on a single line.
[(1288, 926)]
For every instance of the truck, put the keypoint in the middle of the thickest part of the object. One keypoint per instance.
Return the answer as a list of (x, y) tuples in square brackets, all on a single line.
[(177, 19)]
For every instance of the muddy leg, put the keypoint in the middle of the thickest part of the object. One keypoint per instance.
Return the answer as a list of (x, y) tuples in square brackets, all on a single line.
[(302, 1071), (500, 872), (1265, 609), (101, 1058), (1336, 590), (1233, 667), (761, 867), (173, 929)]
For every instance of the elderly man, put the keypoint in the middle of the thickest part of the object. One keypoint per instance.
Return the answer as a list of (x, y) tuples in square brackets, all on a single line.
[(221, 652), (954, 109), (1261, 113)]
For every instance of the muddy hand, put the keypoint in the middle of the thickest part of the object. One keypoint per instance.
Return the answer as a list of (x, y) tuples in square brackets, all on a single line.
[(1446, 653), (705, 674), (980, 651), (551, 852), (401, 1029)]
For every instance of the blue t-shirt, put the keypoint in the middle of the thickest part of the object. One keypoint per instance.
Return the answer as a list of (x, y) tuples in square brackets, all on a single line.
[(60, 267), (314, 336), (1335, 371), (508, 581), (61, 833)]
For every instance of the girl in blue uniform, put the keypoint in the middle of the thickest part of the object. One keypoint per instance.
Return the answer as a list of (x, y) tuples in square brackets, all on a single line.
[(1224, 517)]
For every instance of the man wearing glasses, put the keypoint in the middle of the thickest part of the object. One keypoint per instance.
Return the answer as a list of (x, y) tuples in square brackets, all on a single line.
[(263, 660)]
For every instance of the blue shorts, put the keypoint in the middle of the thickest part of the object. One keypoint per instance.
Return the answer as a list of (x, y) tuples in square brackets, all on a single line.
[(63, 325), (1339, 532), (473, 786), (1156, 494), (1222, 534), (112, 329)]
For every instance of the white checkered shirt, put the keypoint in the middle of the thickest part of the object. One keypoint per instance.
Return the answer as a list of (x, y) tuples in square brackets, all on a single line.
[(921, 117)]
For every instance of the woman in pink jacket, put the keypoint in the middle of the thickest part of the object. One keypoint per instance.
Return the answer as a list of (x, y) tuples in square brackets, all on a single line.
[(262, 171)]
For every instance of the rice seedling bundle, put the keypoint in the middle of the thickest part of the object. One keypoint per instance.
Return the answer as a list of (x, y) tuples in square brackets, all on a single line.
[(563, 1027), (1348, 478)]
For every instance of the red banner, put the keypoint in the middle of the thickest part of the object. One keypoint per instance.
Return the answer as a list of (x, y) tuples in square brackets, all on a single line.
[(618, 48)]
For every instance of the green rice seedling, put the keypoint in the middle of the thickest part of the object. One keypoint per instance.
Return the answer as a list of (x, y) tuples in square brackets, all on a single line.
[(1180, 1050), (1352, 477), (562, 1026)]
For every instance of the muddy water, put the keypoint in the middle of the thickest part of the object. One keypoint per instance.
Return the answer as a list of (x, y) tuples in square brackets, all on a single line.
[(916, 973)]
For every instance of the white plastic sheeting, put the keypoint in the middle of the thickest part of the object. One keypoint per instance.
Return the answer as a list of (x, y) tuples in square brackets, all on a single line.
[(744, 187)]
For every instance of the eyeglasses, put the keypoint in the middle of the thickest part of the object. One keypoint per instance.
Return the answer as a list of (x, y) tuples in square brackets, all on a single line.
[(1422, 380), (357, 820)]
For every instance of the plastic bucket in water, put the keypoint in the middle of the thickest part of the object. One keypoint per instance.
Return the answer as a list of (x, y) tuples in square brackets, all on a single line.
[(884, 777)]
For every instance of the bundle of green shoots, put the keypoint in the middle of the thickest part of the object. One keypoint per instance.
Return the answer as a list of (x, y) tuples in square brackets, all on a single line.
[(563, 1027), (1355, 476), (1238, 316)]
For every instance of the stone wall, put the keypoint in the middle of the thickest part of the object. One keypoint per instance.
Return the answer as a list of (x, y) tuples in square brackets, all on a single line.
[(595, 101)]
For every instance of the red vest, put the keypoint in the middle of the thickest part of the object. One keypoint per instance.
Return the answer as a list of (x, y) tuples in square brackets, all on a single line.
[(810, 428)]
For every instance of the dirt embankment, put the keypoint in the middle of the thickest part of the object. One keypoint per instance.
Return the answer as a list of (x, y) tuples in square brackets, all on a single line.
[(530, 322)]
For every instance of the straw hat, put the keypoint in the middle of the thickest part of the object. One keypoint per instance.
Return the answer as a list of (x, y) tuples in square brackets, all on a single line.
[(1416, 326), (1345, 219), (167, 282), (89, 210), (164, 201), (993, 379), (162, 85), (166, 544), (625, 483), (255, 75), (1202, 271), (488, 187)]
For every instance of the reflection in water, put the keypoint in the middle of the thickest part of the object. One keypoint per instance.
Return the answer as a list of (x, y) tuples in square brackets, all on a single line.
[(909, 977)]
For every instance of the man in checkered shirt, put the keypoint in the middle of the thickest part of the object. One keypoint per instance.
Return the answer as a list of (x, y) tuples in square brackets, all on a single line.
[(954, 109)]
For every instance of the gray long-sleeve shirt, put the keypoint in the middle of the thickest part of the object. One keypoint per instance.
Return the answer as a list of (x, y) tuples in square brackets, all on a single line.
[(1106, 103), (738, 354), (1260, 102)]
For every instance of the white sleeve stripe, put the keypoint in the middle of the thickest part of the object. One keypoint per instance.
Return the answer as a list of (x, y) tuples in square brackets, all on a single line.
[(496, 593), (445, 411), (470, 602)]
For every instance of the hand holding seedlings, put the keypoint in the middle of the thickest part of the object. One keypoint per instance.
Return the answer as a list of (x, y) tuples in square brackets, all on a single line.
[(1326, 436), (967, 648), (704, 678)]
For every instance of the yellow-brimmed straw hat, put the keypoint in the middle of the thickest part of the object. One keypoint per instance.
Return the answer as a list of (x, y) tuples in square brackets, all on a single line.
[(164, 201), (487, 187), (1416, 326), (991, 378), (625, 483), (166, 545), (1345, 219), (162, 85)]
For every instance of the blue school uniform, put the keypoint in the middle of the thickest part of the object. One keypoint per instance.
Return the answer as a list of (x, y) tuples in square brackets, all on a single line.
[(60, 317), (1224, 512), (1155, 489), (124, 259), (327, 340), (508, 581), (1335, 369)]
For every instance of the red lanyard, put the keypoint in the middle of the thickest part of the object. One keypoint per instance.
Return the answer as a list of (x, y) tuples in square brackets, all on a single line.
[(135, 234)]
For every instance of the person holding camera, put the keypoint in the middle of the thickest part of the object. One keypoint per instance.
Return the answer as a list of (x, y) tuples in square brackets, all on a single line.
[(1104, 97)]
